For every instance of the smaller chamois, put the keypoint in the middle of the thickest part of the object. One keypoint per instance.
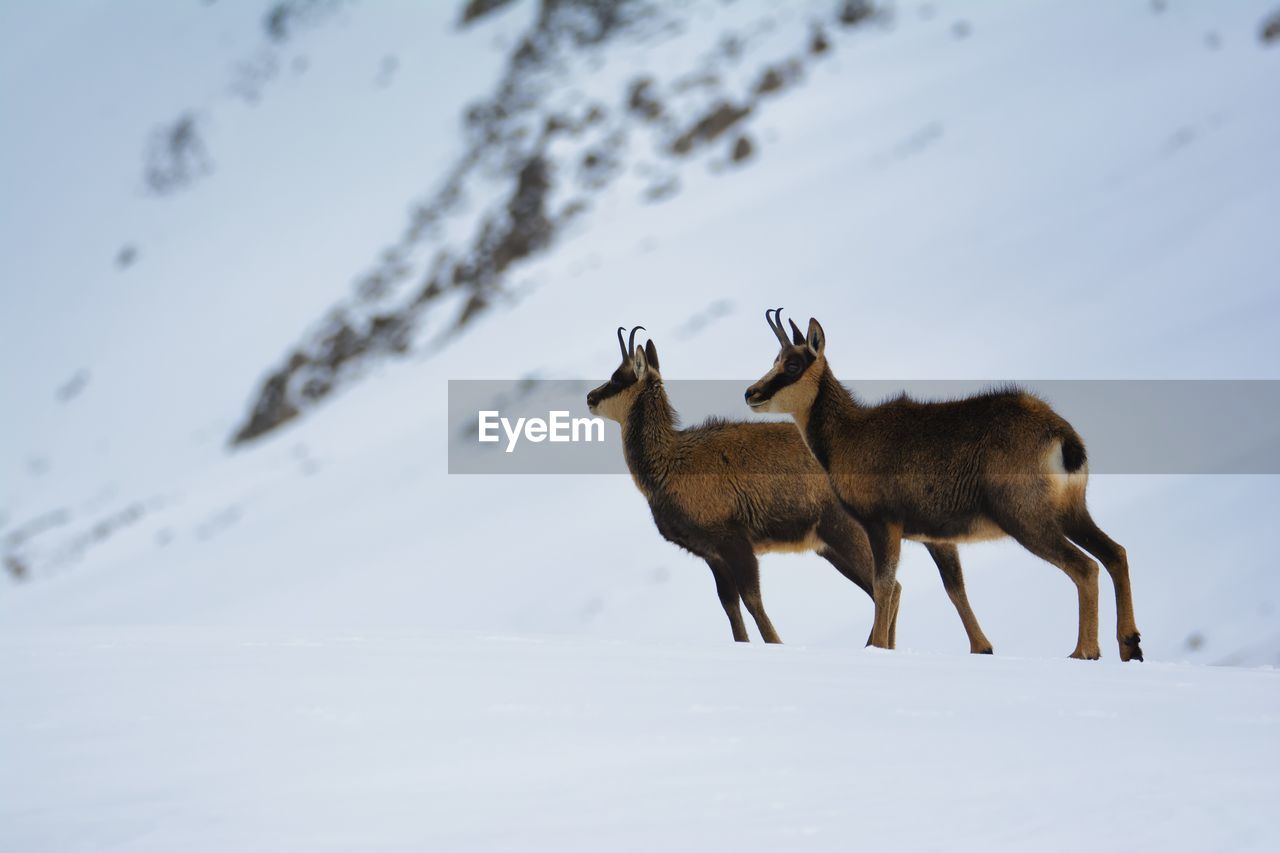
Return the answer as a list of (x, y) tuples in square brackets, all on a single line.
[(729, 491), (997, 464)]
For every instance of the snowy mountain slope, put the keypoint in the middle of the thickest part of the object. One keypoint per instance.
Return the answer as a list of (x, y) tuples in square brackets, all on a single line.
[(321, 640), (1037, 193), (209, 739)]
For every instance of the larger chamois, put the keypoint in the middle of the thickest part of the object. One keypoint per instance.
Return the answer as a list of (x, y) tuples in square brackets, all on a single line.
[(729, 491), (997, 464)]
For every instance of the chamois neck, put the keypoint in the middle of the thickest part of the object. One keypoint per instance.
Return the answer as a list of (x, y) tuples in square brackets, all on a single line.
[(832, 411), (648, 435)]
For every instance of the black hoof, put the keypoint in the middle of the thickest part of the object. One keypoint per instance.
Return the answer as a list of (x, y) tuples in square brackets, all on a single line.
[(1132, 648), (987, 651)]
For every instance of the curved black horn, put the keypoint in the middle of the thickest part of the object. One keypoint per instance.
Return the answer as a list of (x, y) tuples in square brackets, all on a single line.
[(631, 343), (797, 336), (776, 325), (622, 346)]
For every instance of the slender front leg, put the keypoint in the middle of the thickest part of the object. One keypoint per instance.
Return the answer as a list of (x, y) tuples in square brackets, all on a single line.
[(893, 623), (727, 589), (746, 572), (947, 558), (886, 543)]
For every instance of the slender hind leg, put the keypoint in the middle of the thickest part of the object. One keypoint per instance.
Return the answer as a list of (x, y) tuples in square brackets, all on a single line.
[(1050, 543), (1085, 533), (746, 573), (947, 558), (727, 590)]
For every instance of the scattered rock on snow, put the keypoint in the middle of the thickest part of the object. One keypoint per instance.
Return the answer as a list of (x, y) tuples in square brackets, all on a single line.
[(1270, 32), (715, 122)]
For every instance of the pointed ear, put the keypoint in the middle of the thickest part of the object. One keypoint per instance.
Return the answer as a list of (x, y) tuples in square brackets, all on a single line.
[(797, 337), (651, 353), (817, 339), (640, 363)]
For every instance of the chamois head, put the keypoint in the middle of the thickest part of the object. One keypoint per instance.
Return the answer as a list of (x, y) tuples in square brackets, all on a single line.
[(792, 382), (614, 398)]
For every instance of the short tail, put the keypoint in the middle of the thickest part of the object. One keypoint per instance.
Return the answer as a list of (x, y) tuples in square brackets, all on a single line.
[(1073, 455)]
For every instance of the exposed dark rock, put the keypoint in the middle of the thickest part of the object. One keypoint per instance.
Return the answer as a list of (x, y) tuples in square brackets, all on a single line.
[(854, 12), (586, 22), (273, 408), (600, 163), (284, 18), (718, 119), (315, 389), (476, 304), (818, 43), (1270, 32), (16, 568), (177, 156), (527, 229), (554, 124), (777, 77), (520, 229), (36, 526), (771, 81), (72, 546), (71, 389), (104, 527), (430, 291), (474, 10), (390, 332), (514, 138), (641, 99), (276, 23)]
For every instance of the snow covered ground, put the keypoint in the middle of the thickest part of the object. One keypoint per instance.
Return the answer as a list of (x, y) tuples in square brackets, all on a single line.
[(322, 640), (155, 740)]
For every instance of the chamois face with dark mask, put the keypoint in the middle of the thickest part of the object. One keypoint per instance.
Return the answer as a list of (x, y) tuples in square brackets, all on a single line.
[(792, 382), (614, 399)]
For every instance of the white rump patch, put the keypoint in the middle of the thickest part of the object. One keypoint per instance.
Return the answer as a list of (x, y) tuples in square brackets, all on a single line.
[(1059, 480)]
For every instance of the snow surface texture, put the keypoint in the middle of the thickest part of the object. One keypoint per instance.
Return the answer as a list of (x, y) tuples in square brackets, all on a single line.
[(214, 740), (959, 190)]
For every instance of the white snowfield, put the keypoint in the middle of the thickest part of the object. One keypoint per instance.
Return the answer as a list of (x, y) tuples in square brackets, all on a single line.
[(322, 641), (161, 740)]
